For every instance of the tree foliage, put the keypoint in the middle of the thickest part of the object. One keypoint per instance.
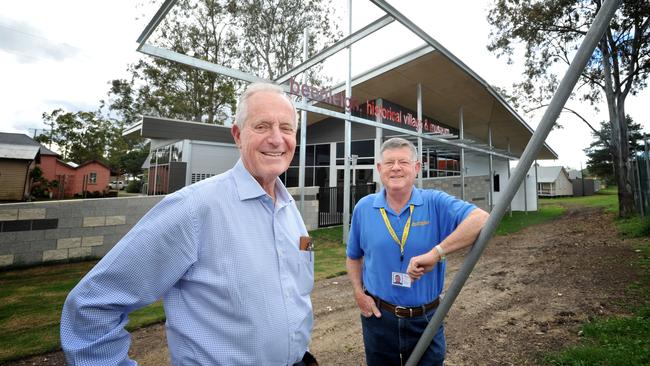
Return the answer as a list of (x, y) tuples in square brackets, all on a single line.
[(80, 136), (272, 32), (260, 37), (600, 161), (550, 32)]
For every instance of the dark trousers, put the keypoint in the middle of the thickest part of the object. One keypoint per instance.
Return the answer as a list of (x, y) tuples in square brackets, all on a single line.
[(389, 340)]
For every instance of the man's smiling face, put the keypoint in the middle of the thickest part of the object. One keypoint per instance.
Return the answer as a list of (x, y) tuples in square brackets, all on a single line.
[(268, 138)]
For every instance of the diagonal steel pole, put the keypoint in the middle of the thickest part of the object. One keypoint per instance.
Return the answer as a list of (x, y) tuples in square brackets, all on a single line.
[(534, 145)]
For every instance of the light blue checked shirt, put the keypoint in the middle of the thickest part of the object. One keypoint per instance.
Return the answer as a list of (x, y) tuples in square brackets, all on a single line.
[(227, 264)]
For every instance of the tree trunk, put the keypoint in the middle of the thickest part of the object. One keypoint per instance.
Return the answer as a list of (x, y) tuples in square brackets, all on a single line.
[(620, 142), (626, 205)]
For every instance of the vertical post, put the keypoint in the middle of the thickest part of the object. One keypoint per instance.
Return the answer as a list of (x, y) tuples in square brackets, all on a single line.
[(379, 139), (509, 182), (582, 180), (647, 170), (155, 176), (536, 191), (638, 184), (461, 124), (303, 131), (491, 166), (348, 136), (419, 103), (526, 191), (536, 142)]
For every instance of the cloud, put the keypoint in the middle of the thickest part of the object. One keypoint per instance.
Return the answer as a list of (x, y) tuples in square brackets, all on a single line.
[(28, 45)]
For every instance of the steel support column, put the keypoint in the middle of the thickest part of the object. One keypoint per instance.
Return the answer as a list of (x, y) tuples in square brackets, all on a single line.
[(461, 124), (348, 137), (491, 167), (303, 131), (419, 104)]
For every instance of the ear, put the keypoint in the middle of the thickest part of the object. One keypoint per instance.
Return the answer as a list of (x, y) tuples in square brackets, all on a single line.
[(418, 166), (236, 134)]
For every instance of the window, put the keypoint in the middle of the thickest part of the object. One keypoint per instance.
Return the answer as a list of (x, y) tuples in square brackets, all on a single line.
[(92, 178)]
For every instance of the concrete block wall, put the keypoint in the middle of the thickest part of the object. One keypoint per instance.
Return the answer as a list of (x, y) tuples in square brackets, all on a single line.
[(310, 206), (40, 232), (477, 188)]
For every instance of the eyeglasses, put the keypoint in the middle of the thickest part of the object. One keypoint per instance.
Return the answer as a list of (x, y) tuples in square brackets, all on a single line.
[(401, 163)]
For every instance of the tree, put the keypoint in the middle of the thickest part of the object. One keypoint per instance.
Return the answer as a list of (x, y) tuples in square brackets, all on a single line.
[(272, 32), (551, 31), (600, 161), (163, 88), (259, 37), (80, 136)]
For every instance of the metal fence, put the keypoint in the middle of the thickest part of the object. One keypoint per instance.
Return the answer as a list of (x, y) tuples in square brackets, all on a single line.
[(641, 179), (330, 202)]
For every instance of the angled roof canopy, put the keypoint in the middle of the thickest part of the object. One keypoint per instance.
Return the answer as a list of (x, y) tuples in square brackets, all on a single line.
[(447, 86)]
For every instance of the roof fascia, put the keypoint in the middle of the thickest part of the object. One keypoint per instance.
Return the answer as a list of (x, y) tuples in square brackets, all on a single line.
[(337, 46), (431, 41)]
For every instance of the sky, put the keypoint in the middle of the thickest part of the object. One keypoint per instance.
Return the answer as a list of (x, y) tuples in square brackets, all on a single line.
[(63, 54)]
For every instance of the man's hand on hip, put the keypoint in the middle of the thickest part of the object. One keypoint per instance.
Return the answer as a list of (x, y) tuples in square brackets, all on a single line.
[(366, 305)]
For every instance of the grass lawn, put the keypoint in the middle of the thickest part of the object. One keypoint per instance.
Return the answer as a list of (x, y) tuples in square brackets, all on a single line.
[(616, 340), (31, 299)]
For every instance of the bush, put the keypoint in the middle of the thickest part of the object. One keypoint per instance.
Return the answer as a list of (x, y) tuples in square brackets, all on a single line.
[(135, 186)]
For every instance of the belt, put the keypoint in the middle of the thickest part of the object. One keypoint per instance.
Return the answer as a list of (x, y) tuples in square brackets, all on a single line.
[(405, 311)]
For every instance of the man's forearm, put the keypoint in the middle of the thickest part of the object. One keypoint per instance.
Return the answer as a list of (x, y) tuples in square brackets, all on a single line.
[(354, 273), (466, 233)]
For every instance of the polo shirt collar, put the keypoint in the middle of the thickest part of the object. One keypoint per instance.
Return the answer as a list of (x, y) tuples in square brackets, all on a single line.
[(415, 200), (249, 188)]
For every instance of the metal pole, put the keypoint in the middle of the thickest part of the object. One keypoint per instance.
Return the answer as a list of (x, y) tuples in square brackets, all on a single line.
[(534, 145), (536, 191), (509, 181), (348, 137), (491, 166), (525, 193), (638, 184), (647, 169), (379, 139), (582, 180), (461, 124), (303, 132), (419, 103)]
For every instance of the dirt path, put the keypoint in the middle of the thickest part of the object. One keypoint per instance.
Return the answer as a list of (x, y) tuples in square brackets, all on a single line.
[(528, 294)]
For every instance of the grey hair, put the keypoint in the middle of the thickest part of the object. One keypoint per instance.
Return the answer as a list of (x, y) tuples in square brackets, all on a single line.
[(398, 143), (242, 103)]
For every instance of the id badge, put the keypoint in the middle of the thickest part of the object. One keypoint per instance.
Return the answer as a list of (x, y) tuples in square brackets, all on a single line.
[(400, 279)]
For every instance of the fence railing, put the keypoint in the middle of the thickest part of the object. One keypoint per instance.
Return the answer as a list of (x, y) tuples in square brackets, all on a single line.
[(330, 202)]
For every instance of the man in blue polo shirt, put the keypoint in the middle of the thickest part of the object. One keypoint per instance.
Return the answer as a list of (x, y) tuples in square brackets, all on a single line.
[(398, 241)]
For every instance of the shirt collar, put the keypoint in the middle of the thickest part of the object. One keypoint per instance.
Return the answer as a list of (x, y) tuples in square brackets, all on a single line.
[(415, 200), (249, 188)]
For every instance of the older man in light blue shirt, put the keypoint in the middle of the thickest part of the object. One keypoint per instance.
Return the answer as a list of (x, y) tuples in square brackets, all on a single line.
[(223, 254)]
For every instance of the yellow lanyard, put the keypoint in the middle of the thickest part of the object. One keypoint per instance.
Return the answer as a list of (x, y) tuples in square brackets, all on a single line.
[(405, 234)]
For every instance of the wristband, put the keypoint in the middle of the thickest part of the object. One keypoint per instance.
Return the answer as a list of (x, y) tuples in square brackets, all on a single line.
[(441, 252)]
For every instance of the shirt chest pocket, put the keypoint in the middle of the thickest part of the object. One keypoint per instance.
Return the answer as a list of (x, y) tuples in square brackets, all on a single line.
[(305, 275)]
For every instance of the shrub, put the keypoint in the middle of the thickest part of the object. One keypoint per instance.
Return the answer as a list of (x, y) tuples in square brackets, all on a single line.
[(135, 186)]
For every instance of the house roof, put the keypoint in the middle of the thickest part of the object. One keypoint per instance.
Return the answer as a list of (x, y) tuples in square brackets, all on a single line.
[(548, 174), (19, 152), (167, 128), (22, 139)]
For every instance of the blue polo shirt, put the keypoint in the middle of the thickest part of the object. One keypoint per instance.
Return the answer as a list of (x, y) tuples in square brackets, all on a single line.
[(436, 215)]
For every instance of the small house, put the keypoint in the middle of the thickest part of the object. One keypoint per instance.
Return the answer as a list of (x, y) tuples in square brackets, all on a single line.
[(553, 181)]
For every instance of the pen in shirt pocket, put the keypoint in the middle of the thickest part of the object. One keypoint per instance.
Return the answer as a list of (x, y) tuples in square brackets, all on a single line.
[(307, 243)]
